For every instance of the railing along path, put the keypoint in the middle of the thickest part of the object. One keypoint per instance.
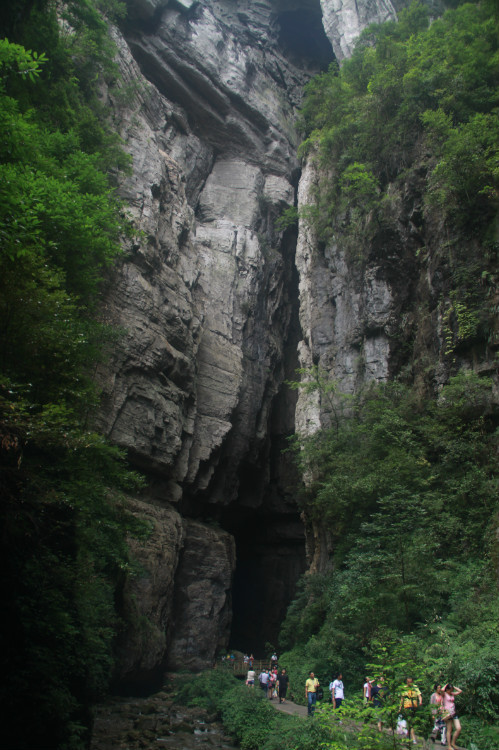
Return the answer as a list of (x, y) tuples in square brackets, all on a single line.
[(240, 669)]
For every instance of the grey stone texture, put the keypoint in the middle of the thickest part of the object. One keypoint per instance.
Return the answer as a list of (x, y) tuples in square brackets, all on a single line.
[(344, 20), (202, 606), (206, 298)]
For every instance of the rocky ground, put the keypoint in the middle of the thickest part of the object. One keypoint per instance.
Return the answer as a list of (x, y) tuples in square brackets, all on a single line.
[(155, 722)]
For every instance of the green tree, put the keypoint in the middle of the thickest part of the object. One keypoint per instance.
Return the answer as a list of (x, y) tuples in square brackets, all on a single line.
[(63, 519), (406, 488)]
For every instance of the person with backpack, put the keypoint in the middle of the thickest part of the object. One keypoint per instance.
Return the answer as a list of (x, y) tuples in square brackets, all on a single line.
[(337, 691), (410, 701)]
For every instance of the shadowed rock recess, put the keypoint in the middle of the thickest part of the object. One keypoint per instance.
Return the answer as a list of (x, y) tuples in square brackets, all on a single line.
[(208, 302)]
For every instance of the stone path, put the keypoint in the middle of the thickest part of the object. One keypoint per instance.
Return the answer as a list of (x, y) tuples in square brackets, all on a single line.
[(289, 707), (294, 709)]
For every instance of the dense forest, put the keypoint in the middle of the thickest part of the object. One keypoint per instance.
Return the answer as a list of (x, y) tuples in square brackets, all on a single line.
[(63, 525), (404, 480)]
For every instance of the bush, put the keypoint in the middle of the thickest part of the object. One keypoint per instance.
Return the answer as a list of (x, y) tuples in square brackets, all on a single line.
[(206, 690)]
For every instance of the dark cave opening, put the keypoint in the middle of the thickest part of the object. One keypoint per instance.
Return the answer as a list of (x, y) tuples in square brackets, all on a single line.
[(265, 521), (267, 571), (303, 40)]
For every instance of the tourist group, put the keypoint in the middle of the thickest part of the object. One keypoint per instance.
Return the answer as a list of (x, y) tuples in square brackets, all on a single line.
[(409, 701), (273, 682)]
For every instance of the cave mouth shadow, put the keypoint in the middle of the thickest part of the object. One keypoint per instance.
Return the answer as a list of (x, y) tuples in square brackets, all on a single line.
[(270, 561), (302, 39)]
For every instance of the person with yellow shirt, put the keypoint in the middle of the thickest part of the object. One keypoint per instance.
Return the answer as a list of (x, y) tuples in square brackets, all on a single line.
[(311, 686), (410, 700)]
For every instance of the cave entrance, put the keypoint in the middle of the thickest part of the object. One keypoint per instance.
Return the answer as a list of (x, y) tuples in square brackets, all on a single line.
[(303, 40), (270, 560), (266, 523)]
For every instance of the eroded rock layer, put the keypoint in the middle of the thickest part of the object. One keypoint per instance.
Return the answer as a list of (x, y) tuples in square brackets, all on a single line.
[(207, 301)]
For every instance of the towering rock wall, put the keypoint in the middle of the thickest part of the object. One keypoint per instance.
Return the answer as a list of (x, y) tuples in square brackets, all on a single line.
[(381, 307), (207, 301)]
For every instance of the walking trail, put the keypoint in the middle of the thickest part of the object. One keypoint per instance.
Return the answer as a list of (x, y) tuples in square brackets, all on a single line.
[(289, 707), (294, 709)]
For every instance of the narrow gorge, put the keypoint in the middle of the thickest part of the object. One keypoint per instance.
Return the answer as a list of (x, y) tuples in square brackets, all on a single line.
[(249, 374), (220, 307)]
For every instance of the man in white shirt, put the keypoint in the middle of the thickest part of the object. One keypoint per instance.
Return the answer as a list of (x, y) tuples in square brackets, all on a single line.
[(367, 690), (337, 691)]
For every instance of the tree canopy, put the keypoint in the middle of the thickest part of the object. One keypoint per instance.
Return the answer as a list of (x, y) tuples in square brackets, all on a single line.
[(404, 483), (64, 525)]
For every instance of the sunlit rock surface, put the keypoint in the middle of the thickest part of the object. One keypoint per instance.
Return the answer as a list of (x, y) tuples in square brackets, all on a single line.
[(207, 297), (344, 20), (347, 314)]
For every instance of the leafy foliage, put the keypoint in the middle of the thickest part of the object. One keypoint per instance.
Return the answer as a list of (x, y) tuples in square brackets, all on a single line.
[(407, 490), (63, 520), (406, 485), (410, 86), (247, 716)]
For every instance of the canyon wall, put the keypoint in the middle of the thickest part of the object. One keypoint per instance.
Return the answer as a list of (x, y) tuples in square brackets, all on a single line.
[(215, 314)]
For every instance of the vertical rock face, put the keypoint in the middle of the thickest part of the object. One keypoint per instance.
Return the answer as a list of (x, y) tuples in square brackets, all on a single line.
[(345, 19), (146, 599), (207, 297), (347, 313), (202, 606)]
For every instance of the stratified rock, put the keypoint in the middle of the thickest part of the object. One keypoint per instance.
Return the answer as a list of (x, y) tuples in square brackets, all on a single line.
[(202, 612), (347, 314), (147, 597), (206, 296)]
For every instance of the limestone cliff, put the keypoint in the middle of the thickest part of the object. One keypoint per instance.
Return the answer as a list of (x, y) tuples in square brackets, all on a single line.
[(207, 298), (382, 309)]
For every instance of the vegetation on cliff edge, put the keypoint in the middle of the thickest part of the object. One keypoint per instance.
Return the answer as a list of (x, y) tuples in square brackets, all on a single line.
[(63, 523), (404, 483)]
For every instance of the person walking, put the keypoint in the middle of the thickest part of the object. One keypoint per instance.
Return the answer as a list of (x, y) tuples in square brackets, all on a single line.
[(311, 686), (436, 702), (378, 695), (263, 679), (411, 700), (450, 715), (272, 684), (366, 690), (337, 691), (283, 682), (250, 678)]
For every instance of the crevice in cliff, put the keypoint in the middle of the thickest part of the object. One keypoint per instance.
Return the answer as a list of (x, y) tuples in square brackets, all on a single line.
[(251, 492), (265, 521)]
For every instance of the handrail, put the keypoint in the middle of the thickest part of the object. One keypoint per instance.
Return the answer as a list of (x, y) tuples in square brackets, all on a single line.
[(238, 666)]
